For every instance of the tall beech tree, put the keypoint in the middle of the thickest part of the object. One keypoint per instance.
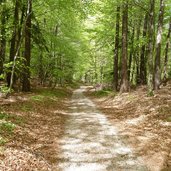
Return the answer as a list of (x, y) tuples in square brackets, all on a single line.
[(116, 50), (143, 58), (3, 36), (157, 68), (13, 40), (124, 72), (27, 53), (150, 46), (165, 77)]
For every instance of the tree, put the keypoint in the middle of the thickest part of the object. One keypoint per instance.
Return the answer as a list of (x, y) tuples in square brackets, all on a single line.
[(3, 37), (157, 68), (116, 50), (165, 77), (143, 69), (13, 40), (150, 47), (124, 76), (27, 53)]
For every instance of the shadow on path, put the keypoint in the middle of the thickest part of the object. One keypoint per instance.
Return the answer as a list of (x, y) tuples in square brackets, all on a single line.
[(91, 143)]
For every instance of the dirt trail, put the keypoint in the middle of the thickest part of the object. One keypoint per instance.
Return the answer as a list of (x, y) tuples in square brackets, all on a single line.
[(91, 143)]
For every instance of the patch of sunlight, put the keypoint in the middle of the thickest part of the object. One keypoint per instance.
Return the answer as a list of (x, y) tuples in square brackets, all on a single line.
[(81, 147), (22, 98), (84, 167), (166, 123), (60, 112), (123, 150), (73, 107), (70, 140), (127, 163), (87, 157), (11, 99), (136, 121)]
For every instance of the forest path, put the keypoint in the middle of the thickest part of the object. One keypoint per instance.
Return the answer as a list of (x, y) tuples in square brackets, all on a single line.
[(91, 143)]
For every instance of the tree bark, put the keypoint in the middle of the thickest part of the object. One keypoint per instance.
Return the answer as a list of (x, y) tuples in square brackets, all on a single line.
[(124, 72), (27, 53), (143, 69), (3, 38), (157, 67), (116, 51), (150, 47), (13, 40), (131, 54), (137, 53), (166, 54)]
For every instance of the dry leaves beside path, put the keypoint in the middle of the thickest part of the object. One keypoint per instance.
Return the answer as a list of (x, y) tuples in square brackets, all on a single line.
[(145, 122), (33, 145)]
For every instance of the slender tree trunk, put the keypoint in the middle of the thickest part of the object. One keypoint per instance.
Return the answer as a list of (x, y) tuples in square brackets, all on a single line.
[(137, 53), (27, 53), (150, 48), (166, 54), (124, 77), (13, 40), (157, 67), (131, 54), (143, 69), (3, 39), (116, 51)]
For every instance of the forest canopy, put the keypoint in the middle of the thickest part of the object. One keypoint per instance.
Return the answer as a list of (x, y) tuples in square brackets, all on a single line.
[(118, 44)]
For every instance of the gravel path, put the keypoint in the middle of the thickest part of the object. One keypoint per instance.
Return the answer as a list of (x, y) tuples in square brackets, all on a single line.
[(91, 143)]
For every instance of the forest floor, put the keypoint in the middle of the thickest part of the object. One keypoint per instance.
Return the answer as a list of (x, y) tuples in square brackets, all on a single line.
[(44, 130), (30, 128), (144, 122)]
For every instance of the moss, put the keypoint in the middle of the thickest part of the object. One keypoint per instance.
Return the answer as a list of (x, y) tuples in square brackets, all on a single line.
[(101, 93), (168, 119), (7, 127), (3, 141)]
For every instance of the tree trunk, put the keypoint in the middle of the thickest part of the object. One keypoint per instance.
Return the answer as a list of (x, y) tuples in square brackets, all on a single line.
[(116, 51), (166, 54), (157, 68), (27, 53), (143, 69), (131, 54), (137, 53), (13, 40), (124, 73), (3, 39), (150, 48)]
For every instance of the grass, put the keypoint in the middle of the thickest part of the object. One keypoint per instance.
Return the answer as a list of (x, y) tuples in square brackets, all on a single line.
[(6, 127), (13, 118), (101, 93), (169, 119), (8, 123), (165, 112), (3, 141), (4, 116), (37, 98), (43, 94), (27, 107)]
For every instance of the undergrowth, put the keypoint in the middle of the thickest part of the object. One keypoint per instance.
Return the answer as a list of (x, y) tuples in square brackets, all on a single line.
[(8, 123), (103, 93)]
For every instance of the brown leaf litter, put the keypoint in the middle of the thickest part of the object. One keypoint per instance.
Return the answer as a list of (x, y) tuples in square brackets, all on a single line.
[(144, 122), (34, 143)]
